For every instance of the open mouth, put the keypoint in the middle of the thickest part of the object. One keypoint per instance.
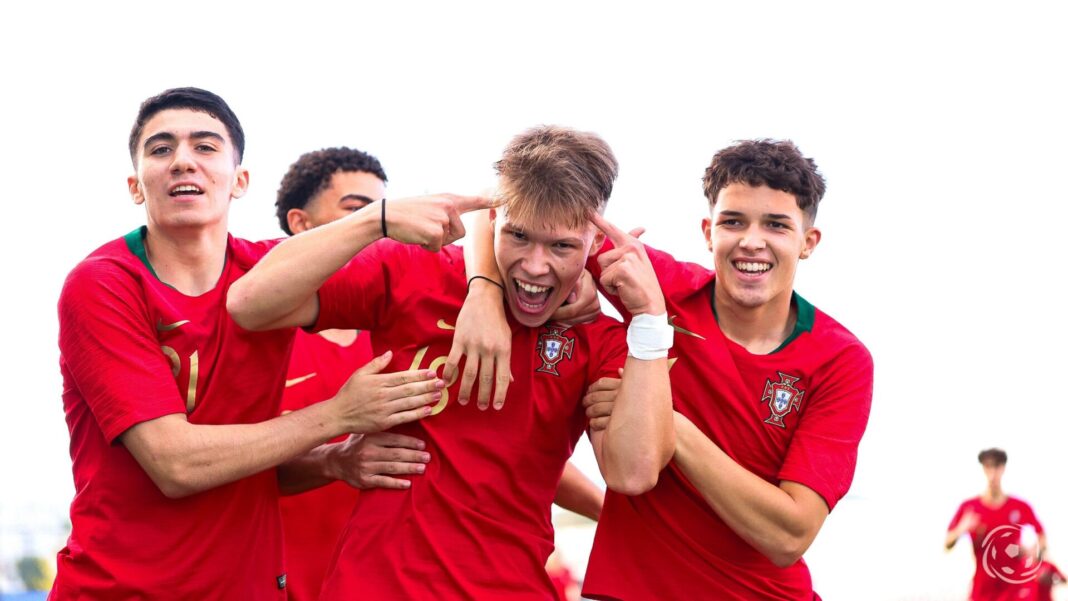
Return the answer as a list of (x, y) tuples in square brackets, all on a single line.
[(185, 190), (752, 267), (531, 298)]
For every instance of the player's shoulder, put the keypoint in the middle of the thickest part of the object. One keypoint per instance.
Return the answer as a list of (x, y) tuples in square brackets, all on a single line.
[(676, 273), (830, 334), (246, 253), (102, 267)]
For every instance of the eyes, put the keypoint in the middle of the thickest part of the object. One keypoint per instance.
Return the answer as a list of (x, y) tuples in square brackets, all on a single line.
[(518, 236), (165, 149), (732, 223)]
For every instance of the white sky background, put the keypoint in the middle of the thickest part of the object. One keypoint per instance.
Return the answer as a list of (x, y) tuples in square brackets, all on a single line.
[(941, 131)]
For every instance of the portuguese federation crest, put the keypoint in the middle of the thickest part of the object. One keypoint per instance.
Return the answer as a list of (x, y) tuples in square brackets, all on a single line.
[(781, 398), (553, 347)]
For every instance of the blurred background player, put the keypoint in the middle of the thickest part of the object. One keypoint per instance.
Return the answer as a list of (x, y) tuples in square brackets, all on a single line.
[(319, 188), (997, 522)]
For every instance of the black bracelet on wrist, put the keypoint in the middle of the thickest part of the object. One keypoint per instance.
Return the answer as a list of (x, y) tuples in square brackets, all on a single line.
[(482, 277), (384, 234)]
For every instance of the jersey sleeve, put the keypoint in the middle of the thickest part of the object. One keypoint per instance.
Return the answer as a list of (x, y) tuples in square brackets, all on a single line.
[(610, 344), (357, 297), (823, 452), (108, 345), (957, 516)]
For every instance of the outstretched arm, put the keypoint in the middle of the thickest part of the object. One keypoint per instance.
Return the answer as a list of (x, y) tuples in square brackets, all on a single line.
[(184, 458), (280, 290)]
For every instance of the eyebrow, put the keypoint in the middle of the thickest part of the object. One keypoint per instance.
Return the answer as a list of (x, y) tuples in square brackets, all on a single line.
[(777, 216), (359, 197), (166, 136)]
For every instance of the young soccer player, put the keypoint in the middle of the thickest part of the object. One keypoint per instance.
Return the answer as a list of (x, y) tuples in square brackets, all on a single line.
[(994, 521), (319, 188), (771, 399), (170, 404), (477, 523)]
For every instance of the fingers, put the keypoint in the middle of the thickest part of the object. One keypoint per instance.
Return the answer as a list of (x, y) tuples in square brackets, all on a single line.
[(503, 379), (606, 383), (637, 232), (404, 417), (400, 378), (415, 389), (455, 229), (467, 380), (389, 439), (453, 362), (377, 364), (378, 481), (616, 235), (601, 423), (485, 381), (465, 204)]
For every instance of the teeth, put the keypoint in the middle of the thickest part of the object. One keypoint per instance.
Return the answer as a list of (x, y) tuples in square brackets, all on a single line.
[(531, 288), (752, 267), (181, 189)]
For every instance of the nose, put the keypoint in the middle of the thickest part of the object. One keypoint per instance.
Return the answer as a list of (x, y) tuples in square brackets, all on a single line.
[(753, 239), (182, 159), (536, 262)]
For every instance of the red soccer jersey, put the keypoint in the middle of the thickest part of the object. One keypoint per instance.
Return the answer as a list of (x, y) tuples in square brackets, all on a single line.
[(313, 521), (477, 524), (795, 414), (134, 349), (1000, 573)]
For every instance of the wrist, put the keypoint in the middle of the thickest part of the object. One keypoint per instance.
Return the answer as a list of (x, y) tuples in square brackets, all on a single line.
[(479, 285), (649, 337)]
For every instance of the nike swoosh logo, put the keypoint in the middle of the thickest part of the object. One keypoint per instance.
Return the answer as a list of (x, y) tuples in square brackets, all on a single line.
[(681, 330), (445, 326), (171, 326), (296, 381)]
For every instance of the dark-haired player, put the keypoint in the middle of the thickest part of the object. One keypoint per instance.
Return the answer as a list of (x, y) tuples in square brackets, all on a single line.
[(477, 523), (170, 404), (771, 398)]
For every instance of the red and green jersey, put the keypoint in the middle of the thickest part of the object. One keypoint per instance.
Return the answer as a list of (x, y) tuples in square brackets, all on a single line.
[(477, 524), (312, 521), (796, 414), (134, 349), (1001, 575)]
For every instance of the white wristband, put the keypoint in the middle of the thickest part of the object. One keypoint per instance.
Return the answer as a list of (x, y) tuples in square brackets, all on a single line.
[(649, 337)]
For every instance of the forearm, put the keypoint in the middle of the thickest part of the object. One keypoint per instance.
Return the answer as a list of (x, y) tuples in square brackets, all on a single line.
[(478, 247), (280, 290), (579, 494), (184, 459), (640, 437), (766, 516)]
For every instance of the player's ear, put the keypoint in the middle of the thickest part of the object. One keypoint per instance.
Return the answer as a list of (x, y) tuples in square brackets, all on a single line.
[(298, 221), (598, 241), (812, 238), (136, 193), (706, 227), (240, 186)]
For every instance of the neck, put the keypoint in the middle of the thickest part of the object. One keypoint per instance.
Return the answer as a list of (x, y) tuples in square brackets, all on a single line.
[(189, 259), (340, 337), (760, 329), (994, 493)]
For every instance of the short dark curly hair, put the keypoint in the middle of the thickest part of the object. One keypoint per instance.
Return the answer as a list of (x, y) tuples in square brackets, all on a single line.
[(777, 164), (995, 456), (311, 174)]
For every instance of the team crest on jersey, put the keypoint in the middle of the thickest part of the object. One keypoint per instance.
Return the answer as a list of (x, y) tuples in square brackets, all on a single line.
[(781, 398), (553, 347)]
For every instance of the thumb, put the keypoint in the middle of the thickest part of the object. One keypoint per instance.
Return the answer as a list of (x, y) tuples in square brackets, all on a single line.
[(377, 364), (637, 232)]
